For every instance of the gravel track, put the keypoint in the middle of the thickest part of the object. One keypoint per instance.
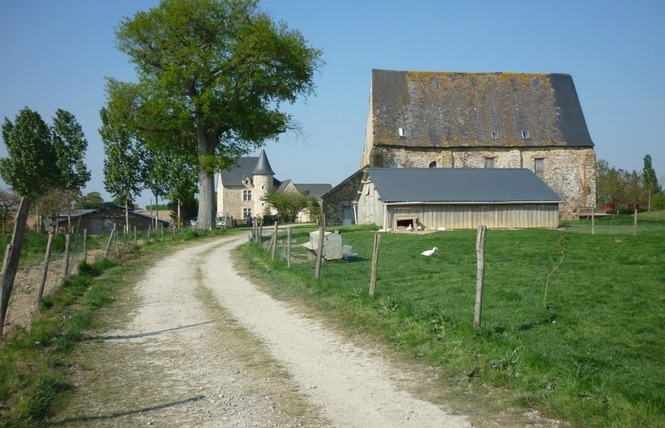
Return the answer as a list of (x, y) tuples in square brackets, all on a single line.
[(206, 348)]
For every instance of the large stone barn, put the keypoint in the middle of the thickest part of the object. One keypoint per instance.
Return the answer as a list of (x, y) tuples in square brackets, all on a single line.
[(455, 198), (483, 120)]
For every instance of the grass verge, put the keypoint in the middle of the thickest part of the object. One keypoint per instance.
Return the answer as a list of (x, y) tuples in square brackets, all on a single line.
[(35, 368)]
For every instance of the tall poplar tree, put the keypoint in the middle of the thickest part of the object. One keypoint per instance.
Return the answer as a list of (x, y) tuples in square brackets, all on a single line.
[(70, 146), (649, 179), (212, 75), (30, 168), (123, 164)]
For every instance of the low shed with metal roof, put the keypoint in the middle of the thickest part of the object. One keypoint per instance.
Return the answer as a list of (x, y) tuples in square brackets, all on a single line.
[(456, 198)]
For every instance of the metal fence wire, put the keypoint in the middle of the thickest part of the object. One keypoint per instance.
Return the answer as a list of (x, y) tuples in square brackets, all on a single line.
[(298, 247)]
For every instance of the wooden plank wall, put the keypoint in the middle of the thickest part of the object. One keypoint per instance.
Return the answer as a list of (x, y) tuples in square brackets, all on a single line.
[(500, 216)]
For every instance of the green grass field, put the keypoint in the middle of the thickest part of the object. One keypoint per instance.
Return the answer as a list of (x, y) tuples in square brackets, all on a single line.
[(591, 352)]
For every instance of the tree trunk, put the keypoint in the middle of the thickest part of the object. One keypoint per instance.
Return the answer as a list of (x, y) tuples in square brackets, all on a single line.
[(206, 152), (156, 210)]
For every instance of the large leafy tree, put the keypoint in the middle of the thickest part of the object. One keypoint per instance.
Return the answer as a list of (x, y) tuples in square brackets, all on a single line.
[(30, 168), (70, 146), (212, 75), (123, 164)]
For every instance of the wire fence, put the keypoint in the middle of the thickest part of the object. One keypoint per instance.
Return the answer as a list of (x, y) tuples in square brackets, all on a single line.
[(632, 224), (347, 255)]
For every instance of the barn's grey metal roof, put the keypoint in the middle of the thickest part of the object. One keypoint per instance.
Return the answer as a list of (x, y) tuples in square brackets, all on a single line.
[(460, 185), (445, 109)]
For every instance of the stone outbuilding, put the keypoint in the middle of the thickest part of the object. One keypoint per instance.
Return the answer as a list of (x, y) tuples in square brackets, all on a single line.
[(483, 120)]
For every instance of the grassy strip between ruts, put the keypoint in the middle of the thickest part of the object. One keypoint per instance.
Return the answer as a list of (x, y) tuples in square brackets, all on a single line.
[(34, 366), (588, 352)]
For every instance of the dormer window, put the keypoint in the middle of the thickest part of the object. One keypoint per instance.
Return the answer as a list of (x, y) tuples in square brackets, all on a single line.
[(401, 132), (525, 134), (495, 135)]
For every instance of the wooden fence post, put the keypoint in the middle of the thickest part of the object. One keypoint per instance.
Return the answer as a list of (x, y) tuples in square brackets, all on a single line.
[(375, 264), (635, 220), (319, 253), (259, 236), (8, 273), (68, 247), (108, 244), (480, 275), (85, 246), (288, 246), (47, 261), (273, 241)]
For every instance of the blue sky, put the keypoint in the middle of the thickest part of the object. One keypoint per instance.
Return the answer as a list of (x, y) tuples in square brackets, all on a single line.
[(55, 54)]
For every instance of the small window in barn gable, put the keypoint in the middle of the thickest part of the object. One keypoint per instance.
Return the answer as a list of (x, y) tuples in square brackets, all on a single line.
[(489, 162), (539, 166), (495, 135), (525, 134)]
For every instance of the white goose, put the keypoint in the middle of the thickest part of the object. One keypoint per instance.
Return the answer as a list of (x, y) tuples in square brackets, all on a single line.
[(428, 253)]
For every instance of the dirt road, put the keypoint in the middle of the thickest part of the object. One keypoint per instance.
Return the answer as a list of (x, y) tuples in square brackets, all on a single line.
[(207, 349)]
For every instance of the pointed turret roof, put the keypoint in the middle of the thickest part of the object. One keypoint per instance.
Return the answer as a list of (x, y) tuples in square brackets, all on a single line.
[(263, 166)]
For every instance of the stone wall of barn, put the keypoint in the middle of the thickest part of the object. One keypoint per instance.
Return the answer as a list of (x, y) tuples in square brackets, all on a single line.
[(570, 172), (345, 195)]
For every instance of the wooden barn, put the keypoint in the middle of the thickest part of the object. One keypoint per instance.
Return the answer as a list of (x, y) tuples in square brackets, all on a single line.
[(455, 198), (102, 220)]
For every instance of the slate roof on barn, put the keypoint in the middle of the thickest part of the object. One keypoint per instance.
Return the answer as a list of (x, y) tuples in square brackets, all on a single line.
[(313, 189), (83, 212), (460, 185), (449, 109)]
